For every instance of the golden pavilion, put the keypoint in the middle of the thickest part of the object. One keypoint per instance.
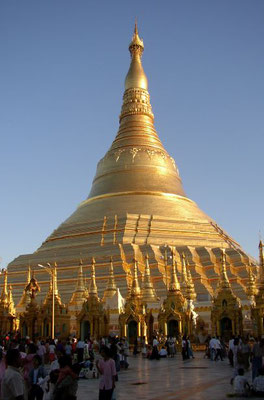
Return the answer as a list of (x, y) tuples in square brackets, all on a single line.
[(138, 256)]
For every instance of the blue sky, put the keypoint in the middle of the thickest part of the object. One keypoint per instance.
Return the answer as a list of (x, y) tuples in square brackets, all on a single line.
[(62, 71)]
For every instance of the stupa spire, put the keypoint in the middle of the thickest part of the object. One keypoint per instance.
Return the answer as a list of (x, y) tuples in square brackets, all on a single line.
[(224, 281), (174, 283), (4, 294), (251, 288), (79, 295), (80, 279), (184, 278), (93, 287), (190, 291), (137, 152), (10, 297), (111, 289), (261, 261), (148, 292), (135, 289)]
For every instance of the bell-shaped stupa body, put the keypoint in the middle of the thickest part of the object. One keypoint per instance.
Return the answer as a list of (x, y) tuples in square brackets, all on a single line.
[(137, 205)]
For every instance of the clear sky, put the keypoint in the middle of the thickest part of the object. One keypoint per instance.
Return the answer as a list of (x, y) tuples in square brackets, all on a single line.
[(62, 70)]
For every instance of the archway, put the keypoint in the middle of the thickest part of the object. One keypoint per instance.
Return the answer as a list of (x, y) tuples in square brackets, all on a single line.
[(85, 330), (132, 331), (173, 328), (226, 328)]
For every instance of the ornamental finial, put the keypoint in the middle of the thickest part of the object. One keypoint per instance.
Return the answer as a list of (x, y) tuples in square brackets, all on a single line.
[(136, 45)]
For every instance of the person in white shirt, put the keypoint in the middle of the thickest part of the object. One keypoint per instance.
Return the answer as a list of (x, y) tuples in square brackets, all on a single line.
[(258, 384), (163, 352), (218, 349), (12, 383), (241, 385)]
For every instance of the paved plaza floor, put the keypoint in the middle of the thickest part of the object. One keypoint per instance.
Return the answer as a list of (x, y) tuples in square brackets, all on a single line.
[(168, 379)]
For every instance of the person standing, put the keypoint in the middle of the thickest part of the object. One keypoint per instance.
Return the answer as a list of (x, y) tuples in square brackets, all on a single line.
[(107, 370), (257, 354), (80, 350), (35, 375), (12, 384), (218, 349), (171, 346)]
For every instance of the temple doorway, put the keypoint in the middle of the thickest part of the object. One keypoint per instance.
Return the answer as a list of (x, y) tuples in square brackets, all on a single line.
[(173, 328), (132, 331), (85, 330), (226, 328)]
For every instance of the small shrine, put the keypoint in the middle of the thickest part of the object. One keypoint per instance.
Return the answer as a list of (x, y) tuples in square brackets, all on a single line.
[(61, 315), (172, 318), (132, 319), (92, 320), (226, 313)]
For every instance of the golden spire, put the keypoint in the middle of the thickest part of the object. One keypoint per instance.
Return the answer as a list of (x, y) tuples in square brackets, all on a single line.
[(224, 281), (261, 261), (137, 150), (4, 295), (251, 288), (136, 77), (148, 292), (184, 279), (79, 295), (135, 289), (48, 297), (93, 287), (80, 287), (110, 290), (10, 296), (174, 283), (190, 291)]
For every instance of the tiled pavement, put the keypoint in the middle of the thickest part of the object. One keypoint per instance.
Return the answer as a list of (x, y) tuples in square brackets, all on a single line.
[(168, 379)]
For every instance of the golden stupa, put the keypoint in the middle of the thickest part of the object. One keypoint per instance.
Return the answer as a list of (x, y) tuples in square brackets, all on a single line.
[(137, 207)]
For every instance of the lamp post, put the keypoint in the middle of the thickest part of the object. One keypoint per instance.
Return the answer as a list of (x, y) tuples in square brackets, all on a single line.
[(51, 270)]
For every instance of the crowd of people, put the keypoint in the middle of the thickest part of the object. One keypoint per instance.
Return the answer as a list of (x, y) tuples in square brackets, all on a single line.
[(50, 369), (244, 353)]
